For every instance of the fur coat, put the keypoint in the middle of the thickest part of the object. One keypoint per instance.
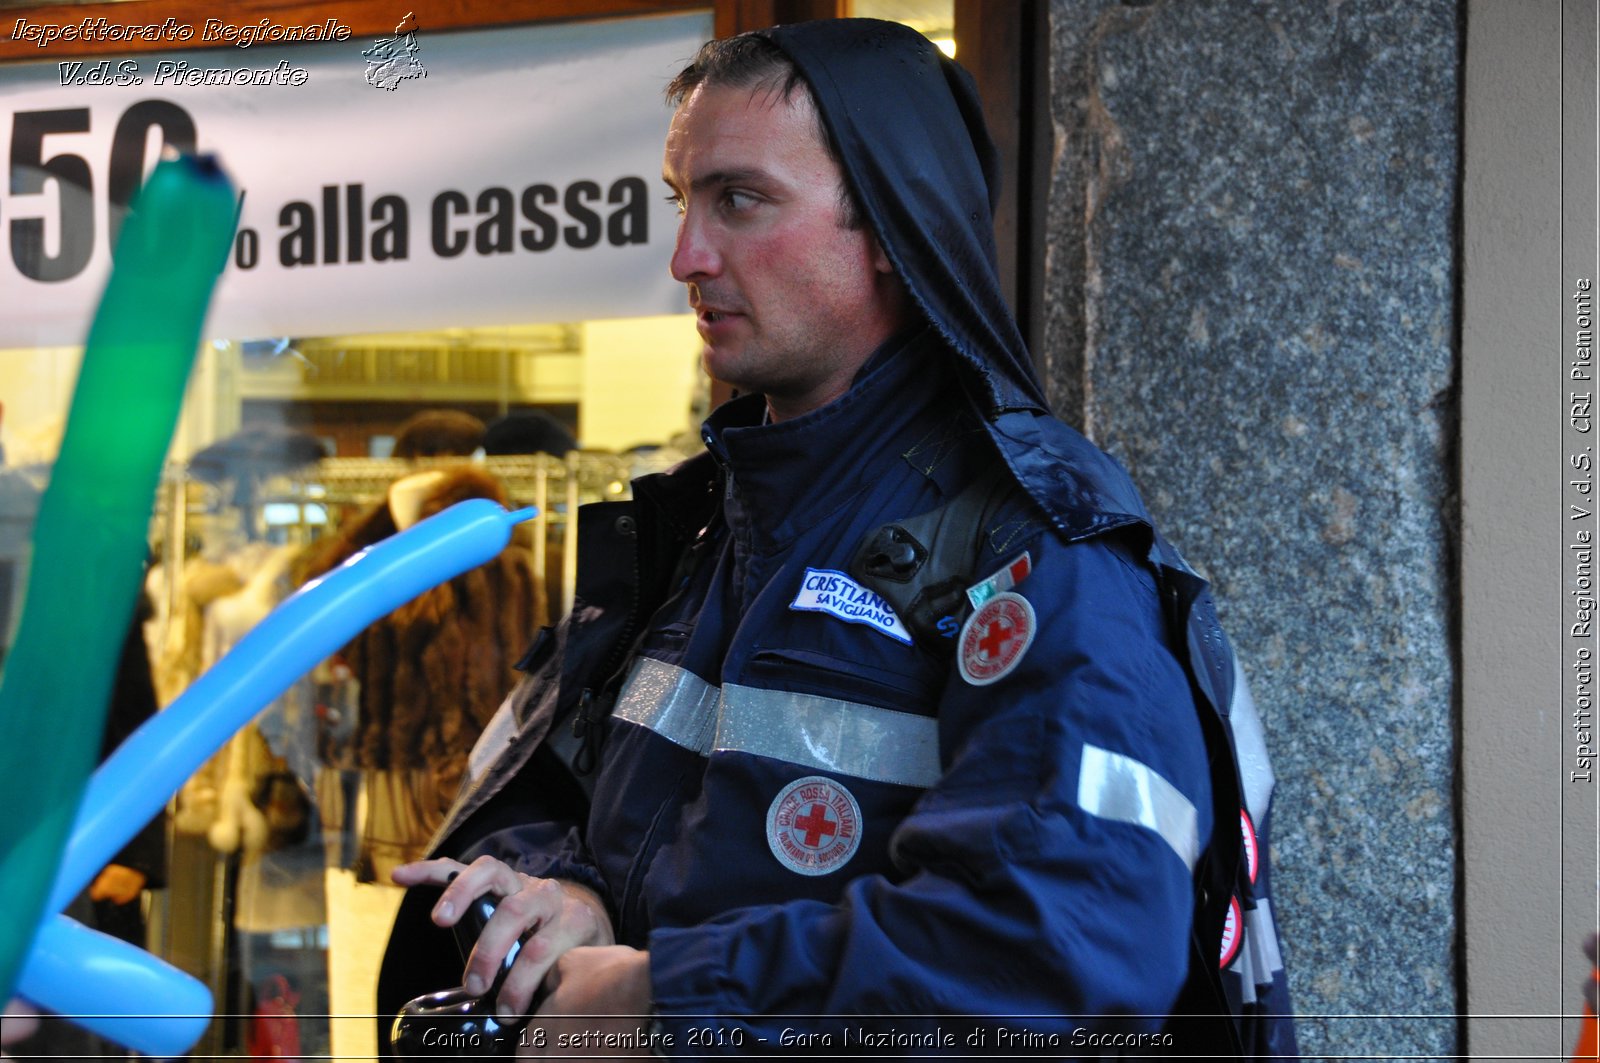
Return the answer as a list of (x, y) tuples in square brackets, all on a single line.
[(432, 672)]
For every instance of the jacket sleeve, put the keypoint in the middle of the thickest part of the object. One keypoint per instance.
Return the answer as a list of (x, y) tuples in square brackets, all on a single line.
[(534, 822), (1046, 874), (534, 828), (520, 803), (549, 849)]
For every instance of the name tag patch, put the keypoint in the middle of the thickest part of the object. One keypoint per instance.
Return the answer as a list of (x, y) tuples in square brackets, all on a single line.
[(824, 590)]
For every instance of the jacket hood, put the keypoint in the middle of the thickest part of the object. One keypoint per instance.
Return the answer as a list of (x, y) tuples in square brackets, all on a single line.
[(909, 129)]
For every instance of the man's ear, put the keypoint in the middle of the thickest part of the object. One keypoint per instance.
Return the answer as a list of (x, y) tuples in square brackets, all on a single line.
[(880, 261)]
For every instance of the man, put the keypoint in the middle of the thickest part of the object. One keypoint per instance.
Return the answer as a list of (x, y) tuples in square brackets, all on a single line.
[(891, 707)]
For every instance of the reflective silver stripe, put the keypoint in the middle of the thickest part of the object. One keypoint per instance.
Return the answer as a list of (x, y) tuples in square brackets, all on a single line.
[(1259, 960), (816, 732), (1113, 786), (830, 735), (1250, 741), (671, 701)]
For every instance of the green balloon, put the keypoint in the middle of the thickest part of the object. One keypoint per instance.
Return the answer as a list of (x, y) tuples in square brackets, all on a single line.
[(90, 538)]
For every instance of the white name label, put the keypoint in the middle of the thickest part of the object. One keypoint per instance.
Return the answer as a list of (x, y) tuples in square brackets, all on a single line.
[(825, 591)]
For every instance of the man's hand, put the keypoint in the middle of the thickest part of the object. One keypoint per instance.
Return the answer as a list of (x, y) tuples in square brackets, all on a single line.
[(118, 884), (607, 991), (549, 917)]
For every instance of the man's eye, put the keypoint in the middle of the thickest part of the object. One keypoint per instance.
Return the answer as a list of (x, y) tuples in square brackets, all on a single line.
[(735, 200), (677, 204)]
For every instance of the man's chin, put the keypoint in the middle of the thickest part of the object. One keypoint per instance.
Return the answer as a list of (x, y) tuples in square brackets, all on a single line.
[(723, 362)]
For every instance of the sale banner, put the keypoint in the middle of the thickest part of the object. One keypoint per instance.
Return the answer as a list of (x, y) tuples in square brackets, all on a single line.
[(418, 179)]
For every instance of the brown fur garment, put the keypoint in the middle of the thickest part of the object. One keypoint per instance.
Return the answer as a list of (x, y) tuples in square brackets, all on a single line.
[(434, 671)]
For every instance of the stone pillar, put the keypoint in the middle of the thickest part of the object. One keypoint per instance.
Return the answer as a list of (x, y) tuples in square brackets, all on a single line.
[(1249, 300)]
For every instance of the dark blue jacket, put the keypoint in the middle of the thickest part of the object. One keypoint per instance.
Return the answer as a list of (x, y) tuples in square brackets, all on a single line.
[(1027, 850), (814, 818)]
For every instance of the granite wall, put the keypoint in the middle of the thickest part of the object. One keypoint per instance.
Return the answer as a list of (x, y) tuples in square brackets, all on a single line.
[(1249, 300)]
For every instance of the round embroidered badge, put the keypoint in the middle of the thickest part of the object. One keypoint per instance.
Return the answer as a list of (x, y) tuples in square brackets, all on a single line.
[(1252, 852), (1232, 933), (814, 826), (995, 637)]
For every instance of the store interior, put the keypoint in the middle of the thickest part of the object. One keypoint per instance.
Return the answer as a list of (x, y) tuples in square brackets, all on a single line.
[(290, 454)]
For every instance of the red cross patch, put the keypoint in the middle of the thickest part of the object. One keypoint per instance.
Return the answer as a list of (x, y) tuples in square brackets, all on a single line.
[(1232, 933), (995, 637), (814, 826), (1252, 852)]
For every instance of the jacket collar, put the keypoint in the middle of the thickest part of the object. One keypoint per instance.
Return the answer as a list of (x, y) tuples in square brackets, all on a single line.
[(790, 475)]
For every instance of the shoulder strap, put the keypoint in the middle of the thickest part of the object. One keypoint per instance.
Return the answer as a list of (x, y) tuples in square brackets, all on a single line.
[(923, 565)]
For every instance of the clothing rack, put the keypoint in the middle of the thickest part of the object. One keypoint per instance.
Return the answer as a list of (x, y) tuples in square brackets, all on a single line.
[(322, 490)]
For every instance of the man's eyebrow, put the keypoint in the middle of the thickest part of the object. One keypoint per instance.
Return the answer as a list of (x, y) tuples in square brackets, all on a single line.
[(717, 178)]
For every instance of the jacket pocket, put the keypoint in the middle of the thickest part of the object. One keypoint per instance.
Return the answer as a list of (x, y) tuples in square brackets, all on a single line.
[(811, 672)]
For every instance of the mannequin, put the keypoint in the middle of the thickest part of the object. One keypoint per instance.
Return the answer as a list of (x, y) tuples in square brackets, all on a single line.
[(408, 494)]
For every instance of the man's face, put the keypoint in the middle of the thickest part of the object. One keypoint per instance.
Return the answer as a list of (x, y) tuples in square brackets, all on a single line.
[(790, 303)]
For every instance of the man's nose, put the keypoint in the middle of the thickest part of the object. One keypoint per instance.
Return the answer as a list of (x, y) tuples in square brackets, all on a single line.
[(693, 256)]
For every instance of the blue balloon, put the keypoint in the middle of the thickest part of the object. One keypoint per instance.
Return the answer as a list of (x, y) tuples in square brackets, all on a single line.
[(136, 781), (115, 989)]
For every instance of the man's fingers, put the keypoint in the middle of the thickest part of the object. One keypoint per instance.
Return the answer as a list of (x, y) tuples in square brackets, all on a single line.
[(536, 970), (545, 916), (483, 965), (485, 875), (567, 923), (534, 905), (538, 955), (425, 872)]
